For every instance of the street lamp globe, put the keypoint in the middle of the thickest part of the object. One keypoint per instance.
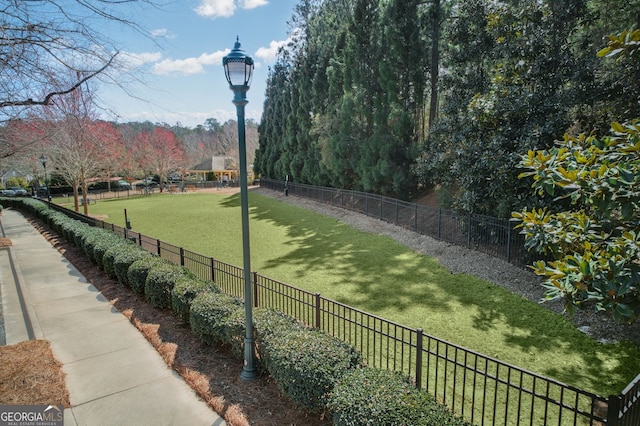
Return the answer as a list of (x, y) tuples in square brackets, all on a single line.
[(238, 68)]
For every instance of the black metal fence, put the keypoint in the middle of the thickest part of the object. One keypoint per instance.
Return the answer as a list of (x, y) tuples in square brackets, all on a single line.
[(479, 388), (496, 237)]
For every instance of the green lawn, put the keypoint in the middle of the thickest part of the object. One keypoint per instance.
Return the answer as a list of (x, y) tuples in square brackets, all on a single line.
[(378, 275)]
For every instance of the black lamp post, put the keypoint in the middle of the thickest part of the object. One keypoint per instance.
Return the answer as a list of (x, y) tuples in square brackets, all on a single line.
[(43, 161), (238, 68)]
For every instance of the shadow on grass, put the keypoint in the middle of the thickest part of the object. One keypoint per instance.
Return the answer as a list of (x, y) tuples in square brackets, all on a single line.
[(366, 264), (378, 275)]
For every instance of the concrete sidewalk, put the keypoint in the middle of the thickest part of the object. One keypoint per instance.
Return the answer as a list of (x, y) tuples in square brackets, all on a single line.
[(114, 375)]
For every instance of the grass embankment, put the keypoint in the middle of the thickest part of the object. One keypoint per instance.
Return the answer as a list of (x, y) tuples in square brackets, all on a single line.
[(378, 275)]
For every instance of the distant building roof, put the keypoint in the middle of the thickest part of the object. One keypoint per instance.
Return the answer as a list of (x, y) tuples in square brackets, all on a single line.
[(213, 163)]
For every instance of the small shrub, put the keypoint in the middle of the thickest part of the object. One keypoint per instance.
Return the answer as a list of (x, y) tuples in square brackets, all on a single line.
[(370, 396), (125, 258), (160, 281), (185, 291), (104, 243), (218, 318), (97, 243), (108, 259), (305, 363), (138, 271), (270, 322), (79, 235), (70, 228), (55, 219), (88, 239)]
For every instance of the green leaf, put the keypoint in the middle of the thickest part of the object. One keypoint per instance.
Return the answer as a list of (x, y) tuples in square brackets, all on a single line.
[(622, 313), (585, 268), (627, 176), (627, 211), (617, 127)]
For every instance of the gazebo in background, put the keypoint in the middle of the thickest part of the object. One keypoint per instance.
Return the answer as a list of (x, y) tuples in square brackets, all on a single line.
[(222, 169)]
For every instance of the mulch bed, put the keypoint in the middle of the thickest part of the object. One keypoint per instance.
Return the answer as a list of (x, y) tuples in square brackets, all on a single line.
[(30, 375)]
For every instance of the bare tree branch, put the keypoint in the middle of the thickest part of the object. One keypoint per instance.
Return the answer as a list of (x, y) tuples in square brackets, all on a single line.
[(47, 98), (41, 40)]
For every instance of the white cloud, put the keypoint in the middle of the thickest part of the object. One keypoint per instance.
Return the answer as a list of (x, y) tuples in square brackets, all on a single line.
[(139, 59), (268, 54), (189, 66), (226, 8), (252, 4), (162, 33), (216, 8)]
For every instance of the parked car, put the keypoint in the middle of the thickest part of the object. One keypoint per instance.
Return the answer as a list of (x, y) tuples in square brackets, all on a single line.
[(20, 192), (123, 185), (42, 192), (8, 193)]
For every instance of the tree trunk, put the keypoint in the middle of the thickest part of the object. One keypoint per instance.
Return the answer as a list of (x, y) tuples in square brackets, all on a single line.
[(435, 61)]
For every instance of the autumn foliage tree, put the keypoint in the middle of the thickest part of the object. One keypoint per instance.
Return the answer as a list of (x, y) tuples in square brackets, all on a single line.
[(158, 152)]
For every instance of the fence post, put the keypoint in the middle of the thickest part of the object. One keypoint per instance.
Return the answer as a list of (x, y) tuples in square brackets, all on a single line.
[(158, 247), (318, 311), (255, 289), (213, 269), (469, 230), (508, 241), (397, 213), (613, 410), (419, 358), (181, 256), (140, 239)]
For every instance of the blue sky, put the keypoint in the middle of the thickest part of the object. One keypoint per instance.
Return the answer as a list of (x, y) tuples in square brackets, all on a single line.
[(181, 63)]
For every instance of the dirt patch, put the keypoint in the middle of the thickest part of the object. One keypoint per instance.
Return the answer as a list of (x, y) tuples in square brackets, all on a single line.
[(212, 371), (5, 242), (428, 198), (30, 375)]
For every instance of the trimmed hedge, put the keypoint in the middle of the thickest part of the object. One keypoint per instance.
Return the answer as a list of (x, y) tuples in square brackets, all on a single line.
[(127, 252), (185, 291), (87, 240), (72, 228), (138, 271), (97, 243), (370, 396), (109, 255), (160, 281), (270, 323), (305, 363), (218, 318), (125, 258)]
